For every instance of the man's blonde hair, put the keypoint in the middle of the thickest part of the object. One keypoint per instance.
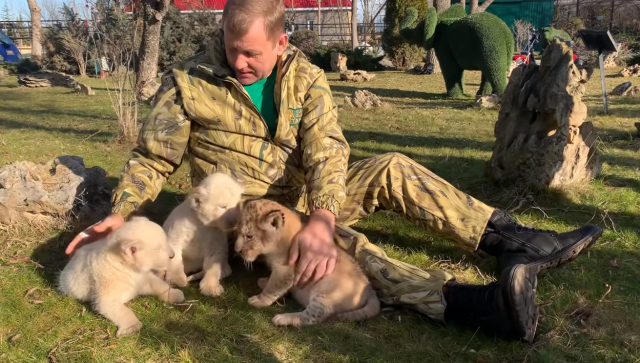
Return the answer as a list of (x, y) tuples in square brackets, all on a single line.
[(239, 15)]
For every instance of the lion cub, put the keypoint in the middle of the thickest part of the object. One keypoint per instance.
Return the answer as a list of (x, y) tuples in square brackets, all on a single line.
[(197, 232), (267, 229), (111, 272)]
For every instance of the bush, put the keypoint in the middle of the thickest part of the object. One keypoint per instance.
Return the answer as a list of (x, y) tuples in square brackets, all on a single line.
[(549, 33), (27, 66), (356, 60), (305, 40), (183, 35), (401, 54)]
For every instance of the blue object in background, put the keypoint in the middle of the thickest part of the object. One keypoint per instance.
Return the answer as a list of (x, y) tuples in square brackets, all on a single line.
[(8, 50)]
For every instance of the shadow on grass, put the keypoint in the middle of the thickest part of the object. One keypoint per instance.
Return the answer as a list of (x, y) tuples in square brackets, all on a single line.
[(19, 125)]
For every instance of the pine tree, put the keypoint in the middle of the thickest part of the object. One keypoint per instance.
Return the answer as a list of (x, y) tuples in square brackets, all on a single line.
[(6, 13)]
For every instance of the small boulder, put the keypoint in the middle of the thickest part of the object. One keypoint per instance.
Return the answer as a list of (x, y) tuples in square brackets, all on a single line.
[(356, 76), (33, 82), (149, 91), (363, 99), (631, 71), (488, 101), (57, 188), (338, 62), (625, 89)]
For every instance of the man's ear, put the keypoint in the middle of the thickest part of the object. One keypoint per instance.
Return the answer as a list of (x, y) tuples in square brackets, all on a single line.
[(281, 45), (274, 220)]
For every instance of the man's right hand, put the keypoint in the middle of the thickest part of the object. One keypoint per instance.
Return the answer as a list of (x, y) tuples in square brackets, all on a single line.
[(95, 232)]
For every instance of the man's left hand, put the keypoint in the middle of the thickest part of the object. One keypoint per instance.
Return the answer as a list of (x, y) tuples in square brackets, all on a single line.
[(313, 249)]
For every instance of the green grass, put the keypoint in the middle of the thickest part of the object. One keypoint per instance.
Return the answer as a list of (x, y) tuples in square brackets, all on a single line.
[(449, 137)]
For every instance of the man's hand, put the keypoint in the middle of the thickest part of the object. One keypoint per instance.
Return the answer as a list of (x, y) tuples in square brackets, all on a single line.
[(95, 232), (313, 249)]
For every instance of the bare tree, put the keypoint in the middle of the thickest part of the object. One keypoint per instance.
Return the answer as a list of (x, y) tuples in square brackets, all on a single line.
[(36, 30), (354, 24), (319, 18), (440, 5), (76, 48), (50, 9), (475, 8), (152, 12)]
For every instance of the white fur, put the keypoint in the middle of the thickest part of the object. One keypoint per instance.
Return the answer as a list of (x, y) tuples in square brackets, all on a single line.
[(197, 232), (112, 271)]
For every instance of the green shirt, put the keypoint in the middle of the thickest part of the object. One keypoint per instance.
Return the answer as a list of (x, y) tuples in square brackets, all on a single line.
[(261, 93)]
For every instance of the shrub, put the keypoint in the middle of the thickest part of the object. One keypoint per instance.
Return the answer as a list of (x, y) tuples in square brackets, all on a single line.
[(183, 35), (27, 66), (401, 54), (305, 40), (549, 33), (356, 59)]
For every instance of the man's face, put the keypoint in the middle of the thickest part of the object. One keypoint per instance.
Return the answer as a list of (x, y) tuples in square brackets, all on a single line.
[(253, 56)]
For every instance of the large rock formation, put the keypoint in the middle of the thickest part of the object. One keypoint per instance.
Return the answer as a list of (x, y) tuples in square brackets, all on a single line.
[(542, 138), (54, 189), (47, 79)]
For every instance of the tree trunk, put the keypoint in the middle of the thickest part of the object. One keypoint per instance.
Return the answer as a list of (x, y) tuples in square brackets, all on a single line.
[(613, 5), (473, 6), (36, 31), (484, 5), (354, 24), (440, 5), (320, 20), (365, 19), (153, 11)]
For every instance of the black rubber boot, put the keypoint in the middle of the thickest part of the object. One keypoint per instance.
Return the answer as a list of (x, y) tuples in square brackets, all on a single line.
[(505, 308), (514, 244)]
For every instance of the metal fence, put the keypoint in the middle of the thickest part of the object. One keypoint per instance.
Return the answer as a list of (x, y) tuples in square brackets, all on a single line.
[(330, 32)]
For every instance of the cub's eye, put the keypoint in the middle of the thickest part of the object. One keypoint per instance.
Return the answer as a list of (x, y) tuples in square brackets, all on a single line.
[(249, 236), (223, 207)]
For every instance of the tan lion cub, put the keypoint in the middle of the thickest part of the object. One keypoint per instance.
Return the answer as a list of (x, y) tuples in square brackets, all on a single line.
[(111, 272), (267, 229), (196, 230)]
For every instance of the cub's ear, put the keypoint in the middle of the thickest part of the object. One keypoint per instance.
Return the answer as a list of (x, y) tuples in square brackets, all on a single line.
[(129, 248), (274, 220), (197, 197)]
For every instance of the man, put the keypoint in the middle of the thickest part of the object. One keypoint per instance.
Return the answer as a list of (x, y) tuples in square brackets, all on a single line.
[(253, 107)]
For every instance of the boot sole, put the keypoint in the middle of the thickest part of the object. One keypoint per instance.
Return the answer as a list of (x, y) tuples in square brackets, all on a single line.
[(521, 290), (568, 253)]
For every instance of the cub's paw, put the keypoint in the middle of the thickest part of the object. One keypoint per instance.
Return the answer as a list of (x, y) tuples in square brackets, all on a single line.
[(257, 301), (178, 279), (176, 296), (211, 288), (292, 319), (226, 270), (262, 282), (129, 329)]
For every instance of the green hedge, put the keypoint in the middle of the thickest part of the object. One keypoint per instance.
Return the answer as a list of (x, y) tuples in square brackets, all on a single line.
[(356, 60)]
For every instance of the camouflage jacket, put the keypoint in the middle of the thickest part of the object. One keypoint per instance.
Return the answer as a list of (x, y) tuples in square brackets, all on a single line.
[(202, 111)]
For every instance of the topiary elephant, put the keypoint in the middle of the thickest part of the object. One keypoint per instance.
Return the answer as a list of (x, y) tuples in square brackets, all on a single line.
[(480, 42)]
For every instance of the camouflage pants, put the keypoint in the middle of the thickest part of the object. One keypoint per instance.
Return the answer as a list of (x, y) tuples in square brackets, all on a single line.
[(395, 182)]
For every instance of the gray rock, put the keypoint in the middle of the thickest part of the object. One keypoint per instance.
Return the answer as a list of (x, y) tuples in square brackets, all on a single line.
[(58, 188), (542, 139)]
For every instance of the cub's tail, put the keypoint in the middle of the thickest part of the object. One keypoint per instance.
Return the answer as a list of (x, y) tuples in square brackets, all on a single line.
[(369, 310)]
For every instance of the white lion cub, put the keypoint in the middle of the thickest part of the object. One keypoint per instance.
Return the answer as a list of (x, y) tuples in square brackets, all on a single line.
[(112, 271), (197, 232)]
